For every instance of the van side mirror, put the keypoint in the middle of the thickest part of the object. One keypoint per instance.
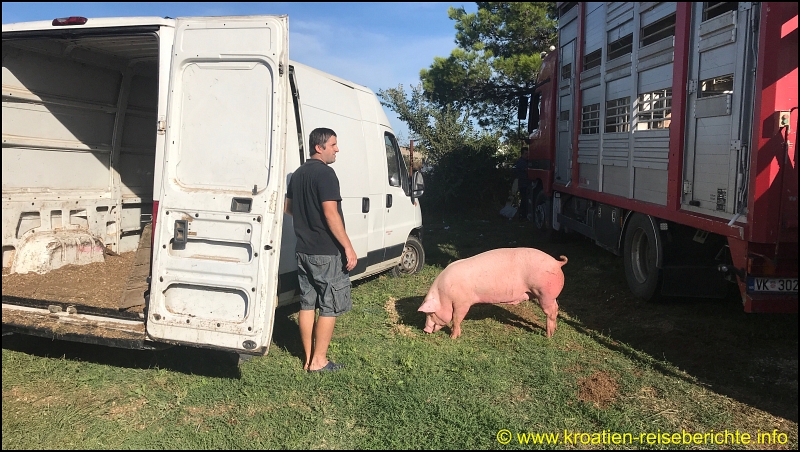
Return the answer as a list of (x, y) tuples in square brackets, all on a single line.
[(417, 185)]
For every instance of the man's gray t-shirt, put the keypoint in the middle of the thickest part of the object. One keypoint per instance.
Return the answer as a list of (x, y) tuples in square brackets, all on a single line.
[(312, 184)]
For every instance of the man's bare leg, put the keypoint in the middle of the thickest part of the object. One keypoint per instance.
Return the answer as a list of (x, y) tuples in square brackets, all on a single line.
[(323, 331), (306, 324)]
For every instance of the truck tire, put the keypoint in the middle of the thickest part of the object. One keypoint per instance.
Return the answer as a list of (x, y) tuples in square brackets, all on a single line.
[(640, 255), (543, 216), (412, 259)]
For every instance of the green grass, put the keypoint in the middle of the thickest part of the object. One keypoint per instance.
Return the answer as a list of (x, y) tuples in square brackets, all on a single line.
[(615, 364)]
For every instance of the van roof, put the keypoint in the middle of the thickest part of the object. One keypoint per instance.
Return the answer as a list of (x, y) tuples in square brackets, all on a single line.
[(332, 77), (92, 22)]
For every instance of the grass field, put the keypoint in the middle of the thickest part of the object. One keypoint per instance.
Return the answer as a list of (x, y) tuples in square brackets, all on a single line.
[(615, 365)]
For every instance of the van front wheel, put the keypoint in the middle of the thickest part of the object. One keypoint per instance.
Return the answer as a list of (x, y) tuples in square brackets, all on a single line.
[(412, 260)]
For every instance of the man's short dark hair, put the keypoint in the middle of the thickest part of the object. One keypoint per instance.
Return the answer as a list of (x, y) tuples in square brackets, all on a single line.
[(319, 136)]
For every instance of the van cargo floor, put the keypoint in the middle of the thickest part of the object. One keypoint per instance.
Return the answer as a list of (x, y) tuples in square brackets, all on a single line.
[(99, 285)]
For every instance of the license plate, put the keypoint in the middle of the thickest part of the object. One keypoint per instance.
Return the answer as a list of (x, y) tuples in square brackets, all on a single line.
[(773, 285)]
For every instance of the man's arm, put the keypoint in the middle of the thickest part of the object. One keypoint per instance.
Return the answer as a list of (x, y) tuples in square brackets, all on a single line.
[(331, 211), (287, 206)]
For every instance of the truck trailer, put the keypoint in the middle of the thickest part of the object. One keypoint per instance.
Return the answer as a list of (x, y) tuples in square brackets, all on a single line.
[(665, 132), (171, 142)]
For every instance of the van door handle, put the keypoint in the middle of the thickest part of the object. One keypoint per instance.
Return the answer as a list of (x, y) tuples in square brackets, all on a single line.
[(180, 235), (388, 201), (364, 205)]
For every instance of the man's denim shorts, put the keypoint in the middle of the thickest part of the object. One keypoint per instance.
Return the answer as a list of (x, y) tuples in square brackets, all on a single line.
[(323, 284)]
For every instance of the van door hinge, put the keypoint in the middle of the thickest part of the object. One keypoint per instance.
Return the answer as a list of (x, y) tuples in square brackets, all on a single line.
[(161, 126), (736, 145), (692, 86), (280, 69), (687, 187)]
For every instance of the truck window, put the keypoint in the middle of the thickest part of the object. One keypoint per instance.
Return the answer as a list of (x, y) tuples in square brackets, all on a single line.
[(658, 30), (590, 119), (536, 108), (592, 60), (566, 71), (566, 7), (714, 9), (715, 86), (620, 47), (655, 110), (618, 115)]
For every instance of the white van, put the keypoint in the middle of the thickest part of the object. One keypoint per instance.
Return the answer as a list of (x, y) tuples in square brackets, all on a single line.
[(191, 127)]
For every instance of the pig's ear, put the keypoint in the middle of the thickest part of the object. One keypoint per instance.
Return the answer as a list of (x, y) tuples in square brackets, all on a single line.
[(431, 304)]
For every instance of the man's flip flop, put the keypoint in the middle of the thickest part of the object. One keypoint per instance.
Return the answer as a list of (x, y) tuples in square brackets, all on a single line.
[(330, 367)]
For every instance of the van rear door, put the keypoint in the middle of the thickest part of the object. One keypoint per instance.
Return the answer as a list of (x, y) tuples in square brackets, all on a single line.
[(217, 237)]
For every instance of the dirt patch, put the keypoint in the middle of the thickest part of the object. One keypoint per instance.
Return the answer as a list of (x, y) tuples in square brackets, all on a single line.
[(599, 388), (43, 398), (99, 284), (125, 409), (195, 415), (394, 319)]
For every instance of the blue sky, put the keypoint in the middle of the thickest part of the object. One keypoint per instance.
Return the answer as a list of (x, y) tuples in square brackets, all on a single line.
[(378, 45)]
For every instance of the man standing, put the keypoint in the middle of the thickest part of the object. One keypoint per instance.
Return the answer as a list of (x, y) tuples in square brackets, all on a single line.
[(314, 202)]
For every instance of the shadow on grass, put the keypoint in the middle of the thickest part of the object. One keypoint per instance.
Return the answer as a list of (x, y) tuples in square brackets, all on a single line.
[(751, 358), (286, 333), (187, 360), (408, 315)]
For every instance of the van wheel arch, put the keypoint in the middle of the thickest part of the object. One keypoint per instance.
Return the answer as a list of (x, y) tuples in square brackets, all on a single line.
[(412, 259)]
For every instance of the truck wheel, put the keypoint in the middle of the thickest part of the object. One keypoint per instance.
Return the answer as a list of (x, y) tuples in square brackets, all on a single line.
[(543, 216), (412, 260), (641, 249)]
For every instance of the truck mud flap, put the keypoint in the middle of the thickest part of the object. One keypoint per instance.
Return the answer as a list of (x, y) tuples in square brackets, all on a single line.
[(57, 321)]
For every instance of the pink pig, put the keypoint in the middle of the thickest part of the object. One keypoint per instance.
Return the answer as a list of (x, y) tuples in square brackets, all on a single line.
[(505, 275)]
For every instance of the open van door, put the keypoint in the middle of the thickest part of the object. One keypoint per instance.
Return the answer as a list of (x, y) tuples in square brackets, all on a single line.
[(219, 220)]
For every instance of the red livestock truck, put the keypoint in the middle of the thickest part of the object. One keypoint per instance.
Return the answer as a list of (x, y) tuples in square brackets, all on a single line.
[(666, 133)]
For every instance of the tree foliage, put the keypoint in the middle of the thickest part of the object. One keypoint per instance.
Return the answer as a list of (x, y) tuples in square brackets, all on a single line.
[(438, 130), (465, 106), (468, 171), (497, 57)]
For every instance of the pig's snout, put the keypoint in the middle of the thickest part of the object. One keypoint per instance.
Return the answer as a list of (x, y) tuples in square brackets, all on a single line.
[(550, 308), (551, 326), (431, 325)]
